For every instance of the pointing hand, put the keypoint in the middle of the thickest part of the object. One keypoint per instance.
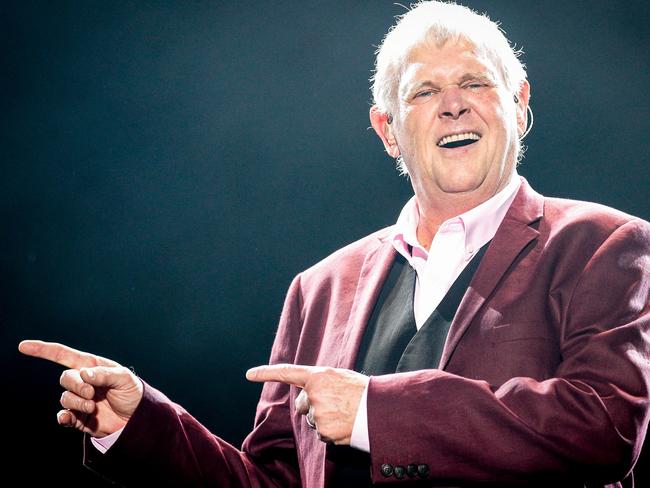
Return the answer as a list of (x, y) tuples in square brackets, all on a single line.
[(100, 395), (329, 399)]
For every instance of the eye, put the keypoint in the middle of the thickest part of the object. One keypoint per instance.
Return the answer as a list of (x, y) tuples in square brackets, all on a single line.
[(424, 96), (475, 84)]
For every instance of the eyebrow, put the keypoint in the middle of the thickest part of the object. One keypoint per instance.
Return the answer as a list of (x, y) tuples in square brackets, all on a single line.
[(466, 77)]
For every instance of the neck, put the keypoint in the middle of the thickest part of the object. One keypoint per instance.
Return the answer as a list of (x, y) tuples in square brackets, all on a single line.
[(433, 216), (435, 210)]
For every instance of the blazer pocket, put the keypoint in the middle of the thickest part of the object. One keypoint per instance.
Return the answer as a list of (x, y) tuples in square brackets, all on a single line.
[(526, 349), (521, 331)]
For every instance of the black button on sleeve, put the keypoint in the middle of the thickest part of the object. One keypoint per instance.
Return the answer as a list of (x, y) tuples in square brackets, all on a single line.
[(412, 470), (400, 472), (423, 471), (387, 470)]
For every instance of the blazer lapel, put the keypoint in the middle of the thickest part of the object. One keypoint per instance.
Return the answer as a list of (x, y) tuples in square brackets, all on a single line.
[(372, 276), (513, 235)]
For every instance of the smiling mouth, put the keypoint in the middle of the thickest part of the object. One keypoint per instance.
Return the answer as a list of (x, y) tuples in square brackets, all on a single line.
[(458, 140)]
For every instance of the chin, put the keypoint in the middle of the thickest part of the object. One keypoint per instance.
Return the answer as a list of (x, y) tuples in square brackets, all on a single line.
[(461, 184)]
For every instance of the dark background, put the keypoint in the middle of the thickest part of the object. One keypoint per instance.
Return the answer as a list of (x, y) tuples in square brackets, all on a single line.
[(168, 167)]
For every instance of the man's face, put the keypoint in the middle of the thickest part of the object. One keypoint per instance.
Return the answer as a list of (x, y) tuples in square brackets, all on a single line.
[(456, 125)]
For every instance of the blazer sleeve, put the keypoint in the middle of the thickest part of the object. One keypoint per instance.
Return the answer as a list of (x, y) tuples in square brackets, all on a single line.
[(163, 445), (588, 421)]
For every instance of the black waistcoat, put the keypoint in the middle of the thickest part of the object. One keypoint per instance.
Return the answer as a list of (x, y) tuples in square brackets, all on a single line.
[(392, 343)]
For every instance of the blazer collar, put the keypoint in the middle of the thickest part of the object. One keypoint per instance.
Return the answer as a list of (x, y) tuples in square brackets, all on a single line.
[(373, 273), (516, 231)]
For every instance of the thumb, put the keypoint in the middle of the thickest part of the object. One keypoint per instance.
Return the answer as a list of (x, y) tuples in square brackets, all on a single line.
[(117, 377), (121, 388)]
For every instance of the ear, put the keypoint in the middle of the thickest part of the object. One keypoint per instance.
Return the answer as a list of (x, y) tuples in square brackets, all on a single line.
[(379, 122), (522, 106)]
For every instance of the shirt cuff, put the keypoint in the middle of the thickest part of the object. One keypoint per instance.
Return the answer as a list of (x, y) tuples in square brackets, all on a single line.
[(360, 438), (103, 444)]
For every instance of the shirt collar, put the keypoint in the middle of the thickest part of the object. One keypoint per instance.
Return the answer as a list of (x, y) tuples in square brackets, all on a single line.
[(479, 223)]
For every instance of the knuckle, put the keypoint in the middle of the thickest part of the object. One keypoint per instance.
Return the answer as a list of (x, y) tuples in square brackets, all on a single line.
[(123, 370), (315, 378), (322, 371), (87, 391), (58, 355), (324, 433), (115, 371), (83, 405), (71, 401), (324, 374)]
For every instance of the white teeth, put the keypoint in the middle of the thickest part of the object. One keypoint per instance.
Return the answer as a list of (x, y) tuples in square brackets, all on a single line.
[(458, 137)]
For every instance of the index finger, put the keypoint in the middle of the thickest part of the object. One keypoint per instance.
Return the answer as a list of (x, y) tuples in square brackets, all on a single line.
[(291, 374), (59, 353)]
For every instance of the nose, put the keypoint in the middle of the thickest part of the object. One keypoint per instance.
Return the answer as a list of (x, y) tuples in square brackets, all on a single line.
[(452, 104)]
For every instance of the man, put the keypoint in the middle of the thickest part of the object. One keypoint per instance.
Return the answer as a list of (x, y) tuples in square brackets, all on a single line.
[(492, 336)]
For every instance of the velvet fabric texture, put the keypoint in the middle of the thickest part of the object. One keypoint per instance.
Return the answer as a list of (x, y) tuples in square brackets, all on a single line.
[(543, 379)]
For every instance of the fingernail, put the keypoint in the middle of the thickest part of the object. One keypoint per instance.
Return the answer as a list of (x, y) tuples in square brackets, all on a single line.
[(90, 373), (62, 423), (251, 374)]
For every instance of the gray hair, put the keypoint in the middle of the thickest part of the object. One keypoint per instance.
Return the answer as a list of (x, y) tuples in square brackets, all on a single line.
[(439, 22)]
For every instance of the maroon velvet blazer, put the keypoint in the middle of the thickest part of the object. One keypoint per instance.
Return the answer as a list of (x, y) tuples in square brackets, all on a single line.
[(544, 378)]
